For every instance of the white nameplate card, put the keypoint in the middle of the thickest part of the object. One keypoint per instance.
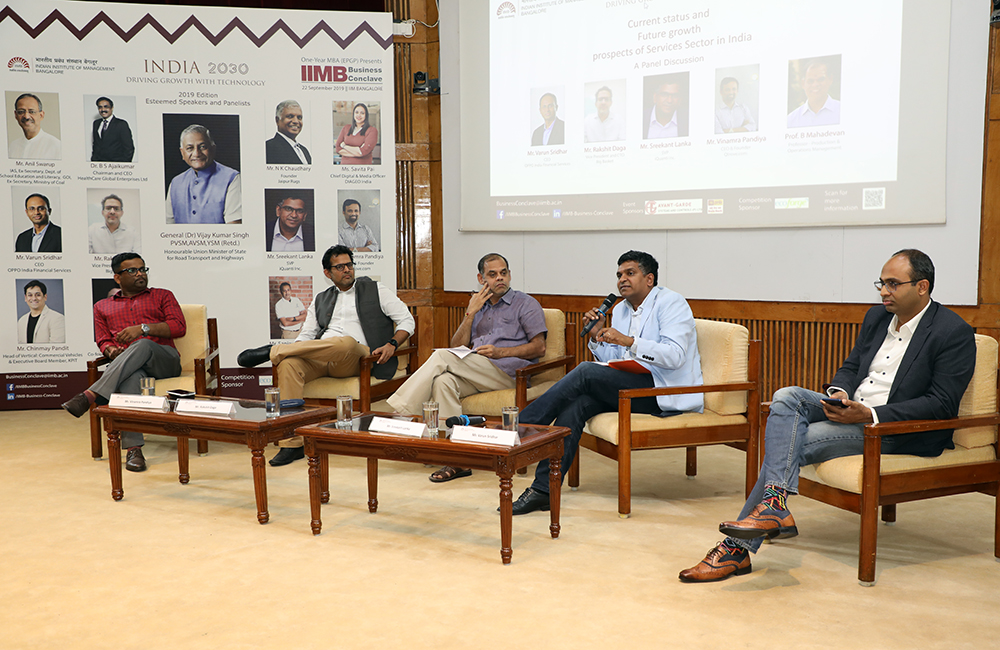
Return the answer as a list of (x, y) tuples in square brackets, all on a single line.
[(461, 433), (204, 407), (398, 427), (150, 402)]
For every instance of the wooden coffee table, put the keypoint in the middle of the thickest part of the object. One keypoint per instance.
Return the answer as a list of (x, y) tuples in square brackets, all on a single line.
[(248, 426), (537, 442)]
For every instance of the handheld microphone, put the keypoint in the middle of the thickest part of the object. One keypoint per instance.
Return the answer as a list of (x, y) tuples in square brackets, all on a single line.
[(602, 310), (464, 420)]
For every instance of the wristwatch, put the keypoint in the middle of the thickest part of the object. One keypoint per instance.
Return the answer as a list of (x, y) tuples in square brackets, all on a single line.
[(394, 343), (145, 329)]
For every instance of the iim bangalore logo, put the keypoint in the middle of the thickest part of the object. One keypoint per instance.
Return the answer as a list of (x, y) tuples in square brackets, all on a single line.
[(506, 10), (17, 64)]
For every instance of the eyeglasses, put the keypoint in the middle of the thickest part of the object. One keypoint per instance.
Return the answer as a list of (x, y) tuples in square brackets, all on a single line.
[(341, 267), (301, 212), (142, 269), (892, 285), (20, 112)]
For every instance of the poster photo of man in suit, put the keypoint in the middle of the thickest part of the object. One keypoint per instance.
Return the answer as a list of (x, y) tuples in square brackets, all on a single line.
[(283, 149), (552, 130), (43, 236), (111, 136), (291, 229)]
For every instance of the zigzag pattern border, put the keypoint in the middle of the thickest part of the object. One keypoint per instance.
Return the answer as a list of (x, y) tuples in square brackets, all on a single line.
[(193, 23)]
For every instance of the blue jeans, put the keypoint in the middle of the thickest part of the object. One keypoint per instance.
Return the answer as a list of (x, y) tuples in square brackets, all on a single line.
[(586, 391), (797, 434)]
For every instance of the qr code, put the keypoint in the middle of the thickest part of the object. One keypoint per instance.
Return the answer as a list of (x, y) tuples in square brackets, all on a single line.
[(873, 198)]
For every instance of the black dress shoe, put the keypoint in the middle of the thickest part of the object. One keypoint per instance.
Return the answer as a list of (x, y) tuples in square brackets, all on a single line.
[(254, 356), (134, 460), (529, 501), (77, 405), (287, 455)]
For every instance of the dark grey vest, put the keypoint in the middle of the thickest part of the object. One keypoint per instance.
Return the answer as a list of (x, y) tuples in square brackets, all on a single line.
[(378, 327)]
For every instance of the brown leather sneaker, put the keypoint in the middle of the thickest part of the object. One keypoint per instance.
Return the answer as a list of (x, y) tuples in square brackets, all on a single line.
[(719, 564), (762, 522)]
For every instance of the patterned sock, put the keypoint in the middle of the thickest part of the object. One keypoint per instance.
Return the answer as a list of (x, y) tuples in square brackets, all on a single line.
[(774, 497), (730, 546)]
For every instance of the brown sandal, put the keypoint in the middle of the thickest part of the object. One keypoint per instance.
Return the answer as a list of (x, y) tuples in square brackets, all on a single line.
[(448, 473)]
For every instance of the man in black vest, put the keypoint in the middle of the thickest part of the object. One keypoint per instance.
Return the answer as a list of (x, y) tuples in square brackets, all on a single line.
[(370, 319)]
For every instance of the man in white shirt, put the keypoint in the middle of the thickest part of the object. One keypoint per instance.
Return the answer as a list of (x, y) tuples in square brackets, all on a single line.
[(290, 312), (732, 116), (291, 230), (350, 320), (912, 360), (603, 126), (819, 109), (34, 142), (113, 236), (668, 117), (356, 236)]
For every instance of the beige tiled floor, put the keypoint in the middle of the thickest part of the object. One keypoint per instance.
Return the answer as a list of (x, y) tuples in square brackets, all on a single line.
[(175, 565)]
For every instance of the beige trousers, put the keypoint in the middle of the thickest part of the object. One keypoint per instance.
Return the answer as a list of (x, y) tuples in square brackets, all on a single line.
[(446, 379), (301, 362)]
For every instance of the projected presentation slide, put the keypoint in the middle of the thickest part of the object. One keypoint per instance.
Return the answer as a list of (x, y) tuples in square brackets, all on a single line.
[(620, 114)]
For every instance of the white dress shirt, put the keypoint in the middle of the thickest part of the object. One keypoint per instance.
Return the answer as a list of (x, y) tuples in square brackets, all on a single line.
[(657, 130), (358, 237), (610, 130), (122, 240), (41, 147), (727, 119), (280, 245), (345, 322), (828, 114)]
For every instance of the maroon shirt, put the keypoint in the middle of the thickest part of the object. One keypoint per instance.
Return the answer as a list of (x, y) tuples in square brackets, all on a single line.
[(149, 306), (514, 320)]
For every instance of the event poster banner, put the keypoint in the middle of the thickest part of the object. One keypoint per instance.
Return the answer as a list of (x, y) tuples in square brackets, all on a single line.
[(229, 147)]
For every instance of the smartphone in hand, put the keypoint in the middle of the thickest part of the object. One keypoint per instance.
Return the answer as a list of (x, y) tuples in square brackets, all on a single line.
[(834, 402)]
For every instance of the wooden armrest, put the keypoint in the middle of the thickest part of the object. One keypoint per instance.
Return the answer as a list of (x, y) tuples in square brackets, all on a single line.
[(914, 426), (369, 361), (97, 362), (542, 366), (633, 393)]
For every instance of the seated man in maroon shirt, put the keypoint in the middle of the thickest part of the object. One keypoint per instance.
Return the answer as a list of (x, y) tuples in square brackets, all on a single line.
[(134, 328)]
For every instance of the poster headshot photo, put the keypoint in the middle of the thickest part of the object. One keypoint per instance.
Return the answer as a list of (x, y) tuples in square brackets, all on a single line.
[(113, 221), (201, 169), (547, 128), (359, 227), (110, 125), (288, 145), (814, 91), (665, 106), (357, 124), (737, 98), (101, 288), (289, 220), (604, 111), (33, 125), (40, 310), (289, 296), (36, 211)]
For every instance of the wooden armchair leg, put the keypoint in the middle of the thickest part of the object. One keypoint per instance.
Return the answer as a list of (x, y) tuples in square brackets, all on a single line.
[(574, 471), (522, 471), (889, 514), (691, 463), (202, 447), (96, 445)]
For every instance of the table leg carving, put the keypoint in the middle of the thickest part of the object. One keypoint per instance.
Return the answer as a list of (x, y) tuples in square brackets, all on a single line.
[(259, 484), (555, 488), (372, 485), (115, 463), (506, 515), (314, 492), (183, 460), (324, 474)]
